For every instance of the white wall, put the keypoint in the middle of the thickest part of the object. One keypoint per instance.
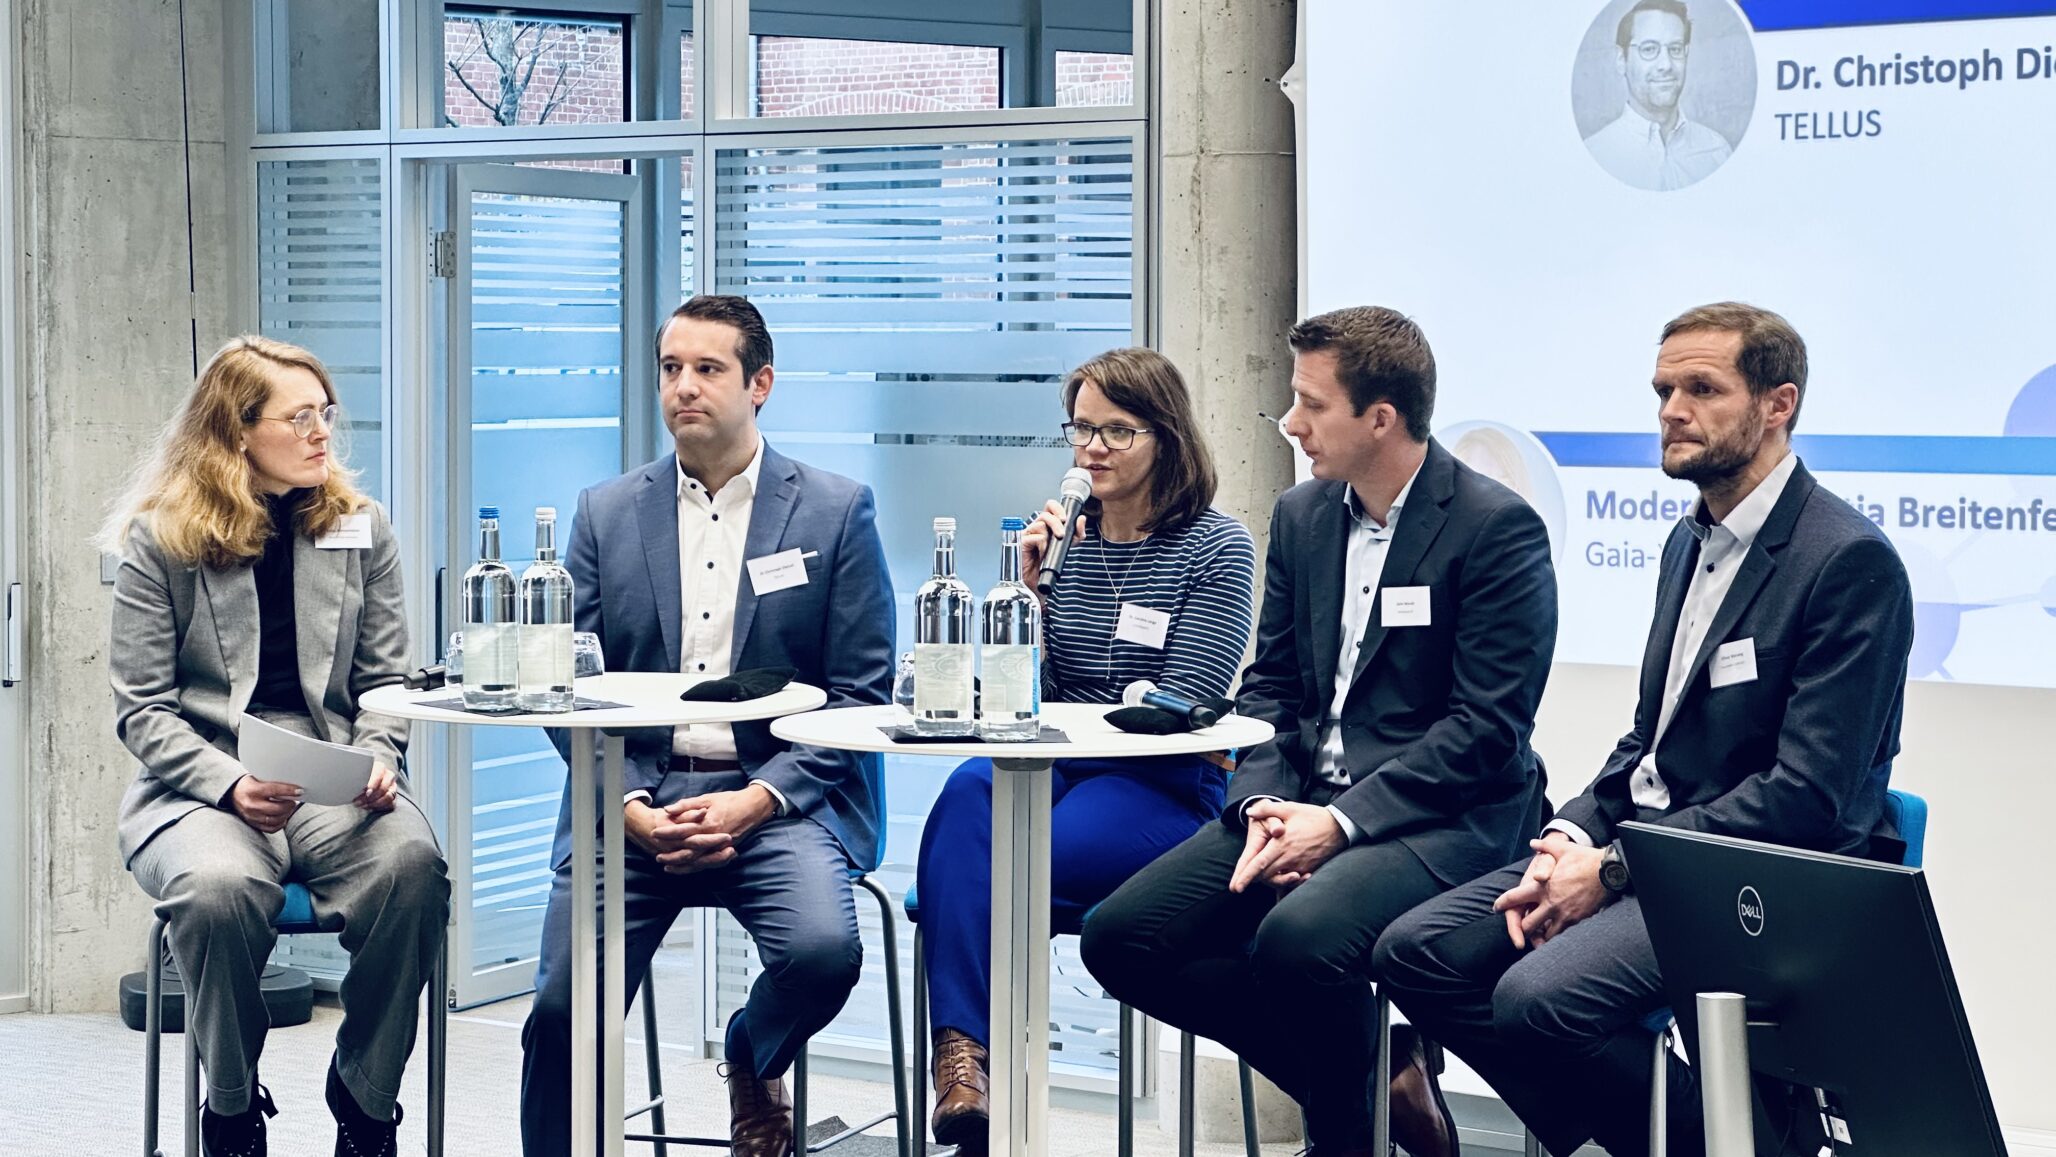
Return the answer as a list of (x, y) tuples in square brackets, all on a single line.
[(1982, 758)]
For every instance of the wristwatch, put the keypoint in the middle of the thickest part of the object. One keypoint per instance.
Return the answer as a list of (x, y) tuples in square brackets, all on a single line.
[(1613, 871)]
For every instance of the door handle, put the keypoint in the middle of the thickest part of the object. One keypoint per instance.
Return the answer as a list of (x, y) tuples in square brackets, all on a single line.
[(10, 637), (442, 637)]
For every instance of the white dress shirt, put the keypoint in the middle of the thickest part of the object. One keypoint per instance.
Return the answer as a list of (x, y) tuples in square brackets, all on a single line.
[(712, 531), (1362, 567), (1722, 547), (1638, 151)]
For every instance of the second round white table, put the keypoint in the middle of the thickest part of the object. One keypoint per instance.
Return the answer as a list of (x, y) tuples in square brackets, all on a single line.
[(1021, 787)]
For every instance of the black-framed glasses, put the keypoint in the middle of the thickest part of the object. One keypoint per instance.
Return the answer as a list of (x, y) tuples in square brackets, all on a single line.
[(1115, 437), (303, 421), (1651, 49)]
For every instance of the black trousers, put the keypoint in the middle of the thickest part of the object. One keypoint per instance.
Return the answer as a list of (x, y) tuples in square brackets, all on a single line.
[(1556, 1030), (1281, 979)]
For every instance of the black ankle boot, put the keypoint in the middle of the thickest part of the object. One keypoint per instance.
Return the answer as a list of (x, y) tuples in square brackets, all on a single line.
[(241, 1135), (359, 1134)]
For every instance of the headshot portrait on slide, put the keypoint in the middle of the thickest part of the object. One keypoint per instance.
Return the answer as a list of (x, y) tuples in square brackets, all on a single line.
[(1663, 89)]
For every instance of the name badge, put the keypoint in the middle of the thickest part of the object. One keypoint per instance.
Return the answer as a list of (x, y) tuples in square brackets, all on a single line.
[(352, 533), (1403, 607), (1143, 626), (1733, 663), (777, 572)]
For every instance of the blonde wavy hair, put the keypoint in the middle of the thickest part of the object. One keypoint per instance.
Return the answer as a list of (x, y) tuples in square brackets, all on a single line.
[(197, 490)]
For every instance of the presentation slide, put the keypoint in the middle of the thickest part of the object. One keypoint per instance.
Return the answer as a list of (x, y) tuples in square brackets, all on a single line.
[(1543, 185)]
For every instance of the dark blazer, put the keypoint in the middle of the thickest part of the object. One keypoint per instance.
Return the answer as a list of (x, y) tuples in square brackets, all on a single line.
[(183, 660), (1435, 728), (1800, 756), (836, 629)]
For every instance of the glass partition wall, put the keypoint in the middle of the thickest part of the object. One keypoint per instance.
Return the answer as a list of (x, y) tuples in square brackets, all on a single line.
[(476, 213)]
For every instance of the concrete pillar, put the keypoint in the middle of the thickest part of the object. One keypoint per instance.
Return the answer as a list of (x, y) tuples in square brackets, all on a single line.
[(1227, 284), (105, 355), (1226, 292)]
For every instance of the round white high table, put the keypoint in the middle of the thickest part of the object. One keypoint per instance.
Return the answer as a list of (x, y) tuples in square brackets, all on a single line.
[(649, 699), (1019, 1058)]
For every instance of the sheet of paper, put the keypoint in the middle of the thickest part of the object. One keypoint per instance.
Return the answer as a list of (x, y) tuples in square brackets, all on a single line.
[(325, 773)]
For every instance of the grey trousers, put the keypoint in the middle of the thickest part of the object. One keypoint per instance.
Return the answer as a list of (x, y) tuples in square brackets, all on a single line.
[(378, 879)]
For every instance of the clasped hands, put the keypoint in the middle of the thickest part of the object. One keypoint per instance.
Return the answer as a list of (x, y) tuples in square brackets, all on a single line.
[(1560, 888), (1285, 843), (699, 833)]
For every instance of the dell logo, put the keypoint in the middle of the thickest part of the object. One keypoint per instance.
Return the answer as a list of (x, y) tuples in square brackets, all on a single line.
[(1749, 906)]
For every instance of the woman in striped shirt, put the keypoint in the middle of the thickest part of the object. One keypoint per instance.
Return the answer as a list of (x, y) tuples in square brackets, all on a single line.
[(1157, 586)]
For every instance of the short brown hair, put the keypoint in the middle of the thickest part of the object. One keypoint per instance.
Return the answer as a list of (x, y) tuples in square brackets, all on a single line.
[(1668, 7), (1380, 355), (1772, 351), (1146, 384), (752, 336)]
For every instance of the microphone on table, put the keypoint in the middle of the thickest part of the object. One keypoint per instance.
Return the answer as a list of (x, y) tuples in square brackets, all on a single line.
[(1076, 488), (1143, 693)]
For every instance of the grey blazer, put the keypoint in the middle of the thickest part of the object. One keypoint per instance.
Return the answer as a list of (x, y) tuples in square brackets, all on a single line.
[(183, 660)]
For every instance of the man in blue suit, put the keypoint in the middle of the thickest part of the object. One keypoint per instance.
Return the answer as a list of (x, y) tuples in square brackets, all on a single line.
[(668, 561)]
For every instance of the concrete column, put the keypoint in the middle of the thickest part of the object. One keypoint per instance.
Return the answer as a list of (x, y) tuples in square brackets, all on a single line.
[(1226, 292), (105, 356), (1227, 286)]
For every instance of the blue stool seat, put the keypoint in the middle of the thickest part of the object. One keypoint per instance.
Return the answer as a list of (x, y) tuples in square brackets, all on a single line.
[(297, 917), (1062, 923)]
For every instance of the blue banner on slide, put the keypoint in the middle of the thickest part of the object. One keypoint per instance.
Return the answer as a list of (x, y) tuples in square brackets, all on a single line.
[(1786, 15), (1867, 453)]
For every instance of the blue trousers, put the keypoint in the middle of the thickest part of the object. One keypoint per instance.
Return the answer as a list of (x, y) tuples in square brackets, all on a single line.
[(788, 886), (1108, 818)]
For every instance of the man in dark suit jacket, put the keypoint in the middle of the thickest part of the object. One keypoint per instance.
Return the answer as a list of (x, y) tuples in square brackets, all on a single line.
[(1408, 620), (1772, 688), (727, 816)]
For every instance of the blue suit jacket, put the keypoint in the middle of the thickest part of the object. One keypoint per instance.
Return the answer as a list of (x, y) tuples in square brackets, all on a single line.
[(1435, 729), (836, 630), (1801, 754)]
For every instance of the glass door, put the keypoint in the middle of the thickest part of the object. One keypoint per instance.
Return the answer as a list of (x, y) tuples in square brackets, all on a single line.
[(14, 832), (547, 394)]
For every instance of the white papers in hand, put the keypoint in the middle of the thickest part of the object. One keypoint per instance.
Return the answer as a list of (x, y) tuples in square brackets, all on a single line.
[(325, 773)]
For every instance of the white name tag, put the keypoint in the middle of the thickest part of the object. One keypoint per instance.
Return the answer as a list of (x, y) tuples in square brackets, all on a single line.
[(352, 533), (1143, 626), (1403, 607), (777, 572), (1733, 663)]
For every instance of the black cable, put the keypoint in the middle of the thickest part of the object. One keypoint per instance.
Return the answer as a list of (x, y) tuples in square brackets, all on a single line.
[(185, 115)]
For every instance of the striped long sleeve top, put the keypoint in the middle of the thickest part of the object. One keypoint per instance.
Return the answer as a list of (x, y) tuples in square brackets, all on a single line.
[(1203, 576)]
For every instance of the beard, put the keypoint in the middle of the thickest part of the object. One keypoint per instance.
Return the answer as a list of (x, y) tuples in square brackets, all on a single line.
[(1721, 457)]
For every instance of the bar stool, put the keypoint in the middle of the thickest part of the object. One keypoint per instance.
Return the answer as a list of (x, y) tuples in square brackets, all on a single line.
[(653, 1062), (295, 918), (1125, 1049)]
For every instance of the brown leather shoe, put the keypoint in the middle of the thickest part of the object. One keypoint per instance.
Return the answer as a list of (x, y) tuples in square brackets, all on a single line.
[(759, 1115), (1421, 1122), (963, 1112)]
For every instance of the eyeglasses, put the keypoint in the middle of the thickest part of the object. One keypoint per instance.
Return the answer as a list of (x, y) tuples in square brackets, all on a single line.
[(303, 421), (1115, 437), (1651, 49)]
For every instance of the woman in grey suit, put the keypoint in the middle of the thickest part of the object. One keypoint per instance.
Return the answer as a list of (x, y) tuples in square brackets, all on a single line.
[(256, 578)]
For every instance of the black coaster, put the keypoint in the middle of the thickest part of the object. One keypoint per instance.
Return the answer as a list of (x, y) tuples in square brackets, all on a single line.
[(579, 703), (905, 733)]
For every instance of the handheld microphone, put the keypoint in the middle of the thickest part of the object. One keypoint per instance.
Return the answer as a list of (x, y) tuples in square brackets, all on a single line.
[(1076, 488), (1143, 693), (426, 678)]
